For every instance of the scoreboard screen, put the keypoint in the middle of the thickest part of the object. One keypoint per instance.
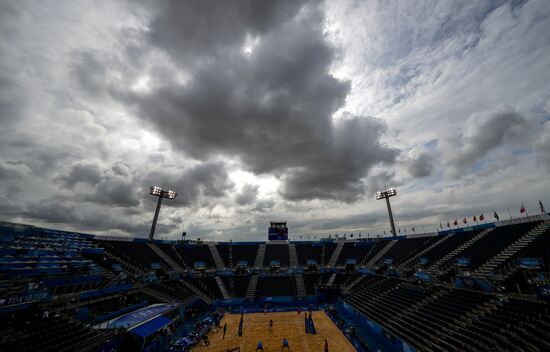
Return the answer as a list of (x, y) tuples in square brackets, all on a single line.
[(278, 232)]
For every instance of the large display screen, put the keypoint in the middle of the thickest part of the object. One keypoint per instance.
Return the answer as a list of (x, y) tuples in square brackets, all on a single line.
[(278, 234)]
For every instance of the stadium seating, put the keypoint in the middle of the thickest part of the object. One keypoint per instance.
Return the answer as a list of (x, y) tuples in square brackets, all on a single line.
[(31, 331), (241, 252), (494, 242), (452, 242), (407, 248), (236, 285), (208, 285), (97, 280), (195, 253), (278, 252), (309, 251), (173, 288), (354, 250), (137, 253), (270, 286), (170, 251), (329, 248), (311, 281)]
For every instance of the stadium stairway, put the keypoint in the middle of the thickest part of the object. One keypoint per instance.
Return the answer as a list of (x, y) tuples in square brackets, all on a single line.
[(259, 262), (512, 249), (300, 286), (334, 258), (293, 255), (470, 318), (252, 284), (354, 282), (198, 292), (161, 297), (437, 264), (331, 279), (216, 255), (380, 254), (222, 288), (175, 266), (414, 258), (126, 264)]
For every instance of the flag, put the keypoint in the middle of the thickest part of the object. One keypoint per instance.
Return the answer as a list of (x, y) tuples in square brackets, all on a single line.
[(465, 221), (481, 217), (541, 207), (456, 222), (475, 219), (522, 209), (495, 215)]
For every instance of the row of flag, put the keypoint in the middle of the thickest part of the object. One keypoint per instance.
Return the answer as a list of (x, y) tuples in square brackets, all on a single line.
[(475, 219)]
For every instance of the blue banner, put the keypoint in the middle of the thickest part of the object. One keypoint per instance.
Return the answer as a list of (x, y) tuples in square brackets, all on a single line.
[(24, 298)]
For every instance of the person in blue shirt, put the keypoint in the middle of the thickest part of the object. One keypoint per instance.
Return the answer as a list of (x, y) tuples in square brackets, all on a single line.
[(285, 345), (260, 346)]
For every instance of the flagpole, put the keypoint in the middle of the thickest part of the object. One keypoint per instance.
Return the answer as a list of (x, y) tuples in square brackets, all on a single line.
[(509, 213)]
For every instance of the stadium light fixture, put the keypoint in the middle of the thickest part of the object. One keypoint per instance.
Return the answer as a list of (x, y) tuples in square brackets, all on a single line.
[(157, 191), (386, 195)]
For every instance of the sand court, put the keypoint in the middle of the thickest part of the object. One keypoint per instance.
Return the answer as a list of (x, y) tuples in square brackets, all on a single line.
[(287, 324)]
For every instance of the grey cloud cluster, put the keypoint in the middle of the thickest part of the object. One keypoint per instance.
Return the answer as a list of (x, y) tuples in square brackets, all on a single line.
[(247, 195), (543, 146), (271, 107), (209, 179), (483, 133), (421, 164)]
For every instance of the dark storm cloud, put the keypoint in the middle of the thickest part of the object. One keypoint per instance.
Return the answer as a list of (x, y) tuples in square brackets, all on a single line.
[(421, 165), (336, 171), (191, 29), (115, 192), (82, 173), (193, 183), (247, 195), (271, 107), (91, 218)]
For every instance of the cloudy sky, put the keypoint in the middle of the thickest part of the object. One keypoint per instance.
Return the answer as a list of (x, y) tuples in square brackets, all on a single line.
[(271, 110)]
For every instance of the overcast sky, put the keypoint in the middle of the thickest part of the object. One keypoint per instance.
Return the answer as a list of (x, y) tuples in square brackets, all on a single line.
[(271, 110)]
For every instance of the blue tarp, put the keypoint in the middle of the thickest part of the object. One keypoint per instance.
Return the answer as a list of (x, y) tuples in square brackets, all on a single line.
[(151, 326), (140, 315)]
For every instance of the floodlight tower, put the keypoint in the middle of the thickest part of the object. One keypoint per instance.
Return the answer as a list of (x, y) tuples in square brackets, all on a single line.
[(386, 195), (157, 191)]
